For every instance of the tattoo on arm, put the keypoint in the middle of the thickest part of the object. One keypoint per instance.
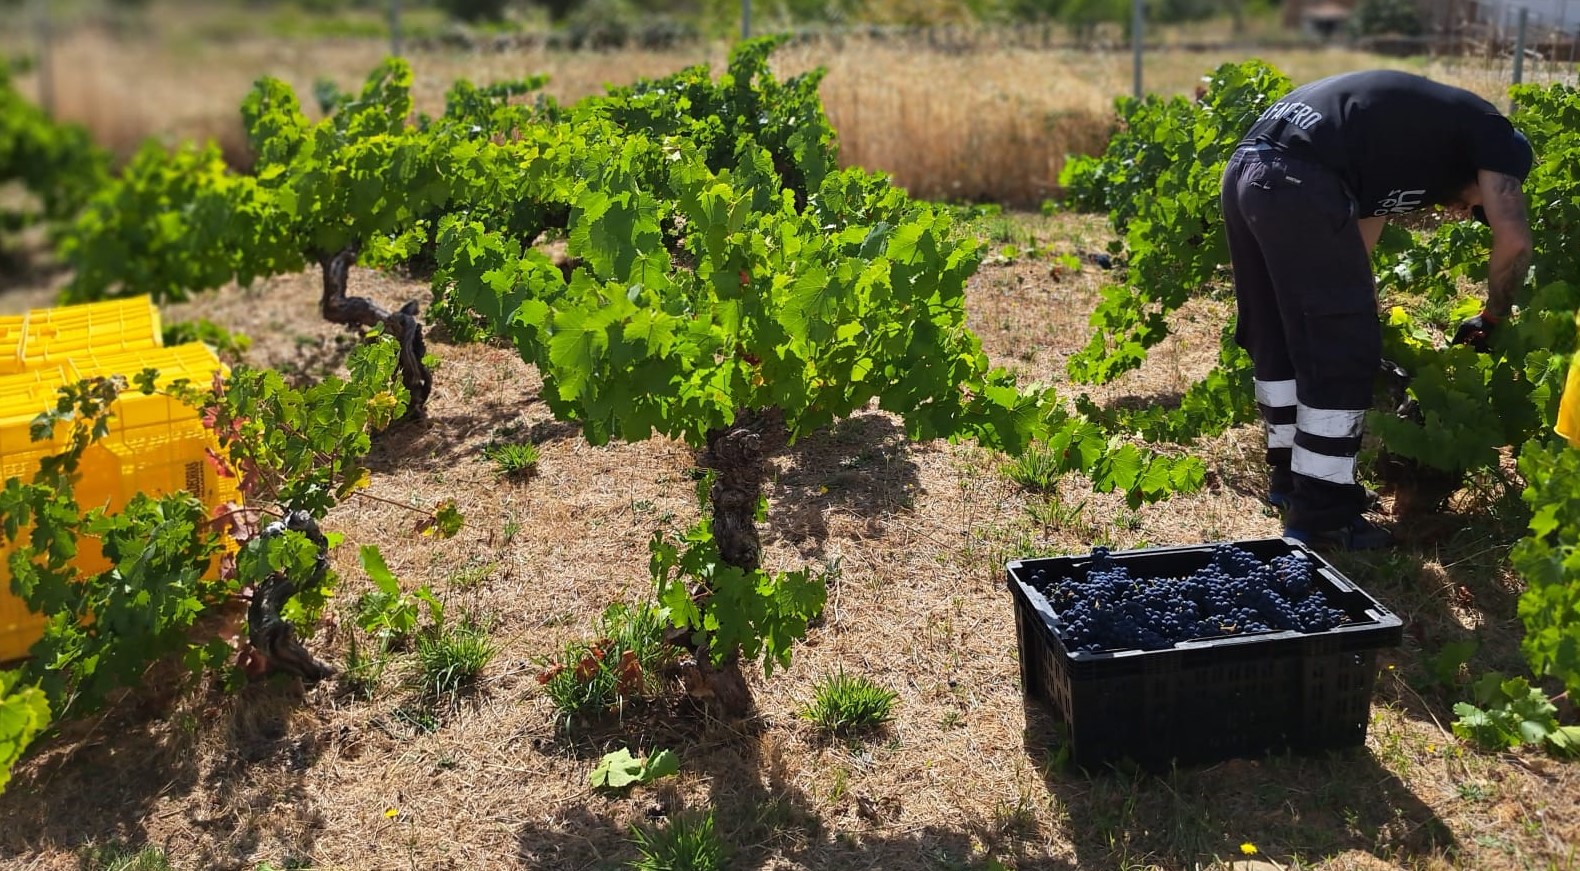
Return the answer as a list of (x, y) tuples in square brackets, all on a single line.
[(1503, 284), (1505, 204)]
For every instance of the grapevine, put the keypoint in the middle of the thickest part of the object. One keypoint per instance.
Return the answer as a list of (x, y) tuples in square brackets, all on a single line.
[(708, 297), (299, 452), (1159, 181), (180, 221)]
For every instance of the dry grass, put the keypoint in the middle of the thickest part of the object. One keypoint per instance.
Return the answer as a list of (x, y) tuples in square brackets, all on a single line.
[(959, 778), (993, 124)]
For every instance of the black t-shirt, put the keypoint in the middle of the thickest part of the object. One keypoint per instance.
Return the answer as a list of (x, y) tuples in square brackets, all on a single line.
[(1400, 141)]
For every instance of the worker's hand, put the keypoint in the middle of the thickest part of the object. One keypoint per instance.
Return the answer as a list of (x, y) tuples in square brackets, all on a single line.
[(1476, 331)]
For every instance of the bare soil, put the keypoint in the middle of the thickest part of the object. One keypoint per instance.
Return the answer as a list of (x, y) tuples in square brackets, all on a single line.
[(964, 777)]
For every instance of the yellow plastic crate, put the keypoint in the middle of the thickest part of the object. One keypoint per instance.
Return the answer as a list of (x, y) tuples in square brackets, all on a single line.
[(20, 628), (153, 460), (13, 328), (155, 445), (72, 333), (22, 397), (135, 317), (192, 362)]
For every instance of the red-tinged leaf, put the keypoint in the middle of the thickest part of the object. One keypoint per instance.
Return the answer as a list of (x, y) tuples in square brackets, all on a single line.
[(550, 673), (218, 464), (629, 682)]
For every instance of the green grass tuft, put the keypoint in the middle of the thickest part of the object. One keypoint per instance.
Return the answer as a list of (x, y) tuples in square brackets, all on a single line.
[(1036, 469), (512, 459), (688, 843), (627, 659), (118, 857), (452, 657), (843, 702)]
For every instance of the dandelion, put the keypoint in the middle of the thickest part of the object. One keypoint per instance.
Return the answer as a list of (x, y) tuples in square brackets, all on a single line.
[(1248, 848), (392, 813)]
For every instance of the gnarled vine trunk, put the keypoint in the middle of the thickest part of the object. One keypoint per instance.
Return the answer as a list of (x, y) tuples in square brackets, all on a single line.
[(737, 454), (270, 634), (339, 308)]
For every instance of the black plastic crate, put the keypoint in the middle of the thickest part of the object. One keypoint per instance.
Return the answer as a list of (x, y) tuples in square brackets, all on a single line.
[(1210, 699)]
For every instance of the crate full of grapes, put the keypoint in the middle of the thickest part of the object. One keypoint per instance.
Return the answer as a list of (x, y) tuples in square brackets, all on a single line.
[(1200, 653)]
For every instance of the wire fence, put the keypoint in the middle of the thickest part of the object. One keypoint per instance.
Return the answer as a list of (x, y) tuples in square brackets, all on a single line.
[(1499, 42)]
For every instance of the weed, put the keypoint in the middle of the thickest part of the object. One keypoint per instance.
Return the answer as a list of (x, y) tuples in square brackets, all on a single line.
[(1054, 513), (593, 678), (119, 857), (1017, 819), (509, 530), (420, 716), (512, 459), (363, 672), (843, 702), (1066, 263), (1002, 230), (1038, 468), (472, 576), (620, 769), (1472, 791), (451, 658), (688, 843), (841, 786)]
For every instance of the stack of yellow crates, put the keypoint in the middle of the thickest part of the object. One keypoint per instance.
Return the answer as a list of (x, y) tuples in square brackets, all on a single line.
[(155, 445)]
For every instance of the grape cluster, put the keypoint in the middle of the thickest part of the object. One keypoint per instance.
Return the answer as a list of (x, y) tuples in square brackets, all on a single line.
[(1234, 594)]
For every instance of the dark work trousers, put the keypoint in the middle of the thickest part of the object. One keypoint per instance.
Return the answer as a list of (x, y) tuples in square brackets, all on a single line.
[(1308, 317)]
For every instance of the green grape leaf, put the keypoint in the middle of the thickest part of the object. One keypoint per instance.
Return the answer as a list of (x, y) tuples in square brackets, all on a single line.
[(378, 571)]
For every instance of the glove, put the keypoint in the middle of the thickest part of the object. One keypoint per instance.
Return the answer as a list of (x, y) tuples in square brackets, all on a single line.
[(1476, 331)]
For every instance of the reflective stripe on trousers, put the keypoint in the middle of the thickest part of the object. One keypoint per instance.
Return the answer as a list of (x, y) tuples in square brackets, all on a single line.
[(1324, 440)]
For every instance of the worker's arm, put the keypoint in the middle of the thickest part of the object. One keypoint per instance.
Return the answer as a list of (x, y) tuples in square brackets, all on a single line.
[(1371, 231), (1504, 203)]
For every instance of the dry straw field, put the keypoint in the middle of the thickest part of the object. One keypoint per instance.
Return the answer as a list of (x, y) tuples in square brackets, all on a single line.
[(989, 123)]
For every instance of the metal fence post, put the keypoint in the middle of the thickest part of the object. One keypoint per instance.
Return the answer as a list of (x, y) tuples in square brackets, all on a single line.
[(46, 66), (1519, 51), (1136, 10), (746, 19), (395, 27)]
